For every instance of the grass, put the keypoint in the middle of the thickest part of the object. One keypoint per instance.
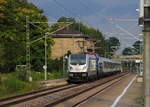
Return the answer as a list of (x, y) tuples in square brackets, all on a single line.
[(10, 85), (39, 76)]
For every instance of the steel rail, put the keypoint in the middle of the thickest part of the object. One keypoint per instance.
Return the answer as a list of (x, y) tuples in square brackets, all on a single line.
[(98, 92), (32, 95), (87, 88)]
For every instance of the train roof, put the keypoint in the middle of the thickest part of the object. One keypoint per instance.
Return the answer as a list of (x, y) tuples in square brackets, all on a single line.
[(101, 58), (90, 54)]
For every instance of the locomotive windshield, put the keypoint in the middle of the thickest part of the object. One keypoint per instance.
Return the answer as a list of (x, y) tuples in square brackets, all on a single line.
[(77, 59)]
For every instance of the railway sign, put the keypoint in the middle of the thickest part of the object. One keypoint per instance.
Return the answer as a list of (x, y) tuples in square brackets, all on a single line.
[(44, 67)]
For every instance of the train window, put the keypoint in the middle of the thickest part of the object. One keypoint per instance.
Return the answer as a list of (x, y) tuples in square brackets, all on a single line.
[(78, 59)]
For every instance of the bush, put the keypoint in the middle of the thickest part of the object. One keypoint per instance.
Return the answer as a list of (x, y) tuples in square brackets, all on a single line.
[(21, 73), (55, 65), (56, 75), (37, 76), (40, 76), (12, 84)]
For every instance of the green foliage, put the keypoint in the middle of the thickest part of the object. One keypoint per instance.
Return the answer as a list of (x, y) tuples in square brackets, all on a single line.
[(140, 100), (55, 70), (39, 76), (11, 85), (138, 48), (13, 34), (21, 73), (55, 65), (65, 19), (128, 51), (112, 45), (57, 75)]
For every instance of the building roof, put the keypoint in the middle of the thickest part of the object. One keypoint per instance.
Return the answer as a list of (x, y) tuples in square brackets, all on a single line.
[(70, 33)]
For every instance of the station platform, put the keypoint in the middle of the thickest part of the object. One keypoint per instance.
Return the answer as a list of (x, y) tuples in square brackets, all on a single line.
[(126, 93)]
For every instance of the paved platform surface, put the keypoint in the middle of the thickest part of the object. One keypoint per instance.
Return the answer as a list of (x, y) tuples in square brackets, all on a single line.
[(123, 94)]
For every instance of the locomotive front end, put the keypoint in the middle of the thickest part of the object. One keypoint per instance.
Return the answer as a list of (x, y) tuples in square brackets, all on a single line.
[(77, 67)]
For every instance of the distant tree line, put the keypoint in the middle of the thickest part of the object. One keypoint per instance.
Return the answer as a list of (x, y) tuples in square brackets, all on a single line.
[(136, 49)]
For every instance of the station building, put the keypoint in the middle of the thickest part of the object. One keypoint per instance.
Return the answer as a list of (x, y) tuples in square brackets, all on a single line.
[(67, 40)]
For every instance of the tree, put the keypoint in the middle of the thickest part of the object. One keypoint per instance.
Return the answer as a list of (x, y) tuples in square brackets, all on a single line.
[(137, 47), (65, 19), (112, 45), (128, 51), (13, 34)]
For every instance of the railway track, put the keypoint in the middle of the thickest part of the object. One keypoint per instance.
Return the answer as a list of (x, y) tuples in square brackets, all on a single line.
[(85, 88), (57, 95), (98, 91), (34, 94)]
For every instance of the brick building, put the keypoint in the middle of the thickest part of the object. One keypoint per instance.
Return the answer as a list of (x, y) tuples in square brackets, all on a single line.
[(68, 39)]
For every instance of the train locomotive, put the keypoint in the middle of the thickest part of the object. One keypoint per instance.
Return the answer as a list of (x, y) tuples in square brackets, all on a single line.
[(89, 66)]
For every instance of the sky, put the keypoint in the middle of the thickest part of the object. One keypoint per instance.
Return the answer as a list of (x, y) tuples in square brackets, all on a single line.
[(97, 14)]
